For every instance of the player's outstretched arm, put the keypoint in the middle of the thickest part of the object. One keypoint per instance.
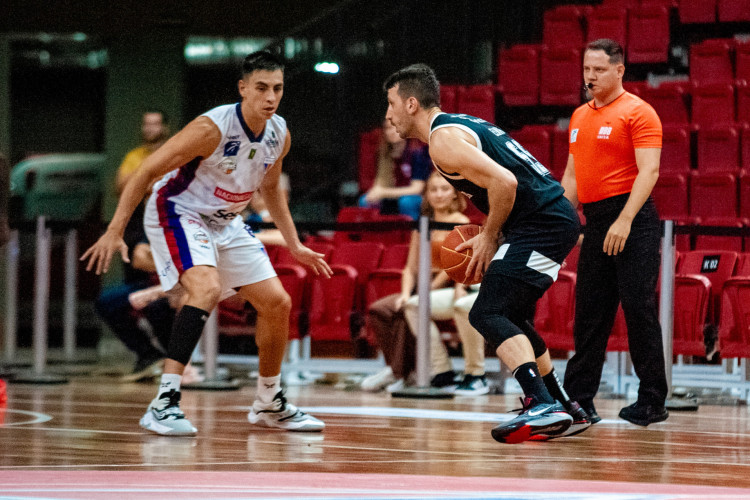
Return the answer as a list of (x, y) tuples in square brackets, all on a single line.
[(455, 151), (277, 206), (198, 139)]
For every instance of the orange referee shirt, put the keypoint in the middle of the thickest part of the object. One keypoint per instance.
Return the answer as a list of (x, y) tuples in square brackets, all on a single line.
[(603, 142)]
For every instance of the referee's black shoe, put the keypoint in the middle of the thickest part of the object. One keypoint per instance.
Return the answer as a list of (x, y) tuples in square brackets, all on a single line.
[(590, 410), (644, 414), (536, 418)]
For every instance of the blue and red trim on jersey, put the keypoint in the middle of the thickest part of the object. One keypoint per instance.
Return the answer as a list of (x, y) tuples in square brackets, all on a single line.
[(169, 219)]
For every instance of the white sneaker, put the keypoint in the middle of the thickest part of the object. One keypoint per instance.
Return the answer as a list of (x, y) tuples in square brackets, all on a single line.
[(165, 417), (378, 381), (396, 386), (283, 415), (473, 385)]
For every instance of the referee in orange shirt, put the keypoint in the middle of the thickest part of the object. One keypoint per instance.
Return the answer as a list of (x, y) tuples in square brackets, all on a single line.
[(613, 164)]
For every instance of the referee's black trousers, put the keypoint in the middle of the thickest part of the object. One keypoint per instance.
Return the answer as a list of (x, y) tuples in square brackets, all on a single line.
[(604, 282)]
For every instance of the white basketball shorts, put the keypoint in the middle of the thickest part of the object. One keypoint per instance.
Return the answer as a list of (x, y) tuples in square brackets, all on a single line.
[(181, 239)]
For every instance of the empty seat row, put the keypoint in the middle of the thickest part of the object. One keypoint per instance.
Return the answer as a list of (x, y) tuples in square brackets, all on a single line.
[(722, 60), (711, 11), (643, 30), (719, 148), (698, 197)]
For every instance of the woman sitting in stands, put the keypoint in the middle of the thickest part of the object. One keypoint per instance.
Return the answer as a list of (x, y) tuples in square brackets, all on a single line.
[(403, 167), (394, 318)]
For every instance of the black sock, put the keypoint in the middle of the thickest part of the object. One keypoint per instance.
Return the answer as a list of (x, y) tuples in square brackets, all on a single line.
[(186, 332), (531, 382), (555, 388)]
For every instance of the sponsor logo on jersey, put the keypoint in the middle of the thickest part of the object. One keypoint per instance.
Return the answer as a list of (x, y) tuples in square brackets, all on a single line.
[(200, 237), (273, 141), (231, 148), (228, 165), (233, 137), (604, 133), (573, 135), (232, 197), (252, 154)]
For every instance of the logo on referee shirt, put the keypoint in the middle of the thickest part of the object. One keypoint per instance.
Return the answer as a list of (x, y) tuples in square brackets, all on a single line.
[(604, 133)]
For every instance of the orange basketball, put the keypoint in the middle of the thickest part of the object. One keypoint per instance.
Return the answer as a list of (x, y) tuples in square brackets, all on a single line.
[(454, 263)]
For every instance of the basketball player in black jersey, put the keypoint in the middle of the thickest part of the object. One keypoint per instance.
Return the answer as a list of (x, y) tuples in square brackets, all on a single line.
[(526, 205)]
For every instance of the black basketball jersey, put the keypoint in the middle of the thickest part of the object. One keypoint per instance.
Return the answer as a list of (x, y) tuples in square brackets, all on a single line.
[(536, 186)]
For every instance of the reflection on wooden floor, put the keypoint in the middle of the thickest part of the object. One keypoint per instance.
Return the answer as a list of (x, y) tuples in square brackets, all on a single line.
[(92, 424)]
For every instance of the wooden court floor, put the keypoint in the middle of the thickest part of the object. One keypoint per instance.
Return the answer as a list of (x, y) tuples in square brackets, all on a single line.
[(91, 424)]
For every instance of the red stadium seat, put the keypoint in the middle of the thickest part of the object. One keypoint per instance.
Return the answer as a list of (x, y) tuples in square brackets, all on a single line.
[(710, 62), (744, 184), (560, 83), (716, 266), (669, 102), (560, 151), (706, 242), (675, 149), (518, 75), (389, 236), (713, 195), (353, 214), (363, 257), (394, 256), (635, 87), (697, 11), (742, 62), (293, 278), (563, 27), (555, 320), (332, 304), (731, 11), (367, 158), (734, 324), (713, 104), (648, 34), (718, 149), (743, 105), (449, 98), (477, 100), (536, 140), (745, 147), (608, 21), (692, 297), (671, 197), (618, 338)]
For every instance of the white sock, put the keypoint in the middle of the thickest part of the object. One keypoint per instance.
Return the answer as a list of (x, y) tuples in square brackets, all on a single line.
[(268, 387), (168, 382)]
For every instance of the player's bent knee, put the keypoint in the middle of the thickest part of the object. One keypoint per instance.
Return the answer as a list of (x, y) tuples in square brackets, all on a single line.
[(492, 325)]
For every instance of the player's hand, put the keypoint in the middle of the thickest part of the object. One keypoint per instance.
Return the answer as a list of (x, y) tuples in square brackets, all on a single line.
[(313, 260), (618, 233), (100, 254), (483, 248)]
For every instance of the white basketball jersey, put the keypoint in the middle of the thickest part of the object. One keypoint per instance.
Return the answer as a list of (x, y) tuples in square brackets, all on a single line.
[(220, 187)]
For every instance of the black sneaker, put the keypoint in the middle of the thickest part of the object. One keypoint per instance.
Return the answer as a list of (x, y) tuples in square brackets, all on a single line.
[(643, 414), (444, 380), (594, 417), (536, 418), (580, 423)]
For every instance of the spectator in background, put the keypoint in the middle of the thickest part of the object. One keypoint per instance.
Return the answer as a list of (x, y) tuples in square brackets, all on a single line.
[(4, 195), (403, 168), (615, 150), (144, 331), (391, 317)]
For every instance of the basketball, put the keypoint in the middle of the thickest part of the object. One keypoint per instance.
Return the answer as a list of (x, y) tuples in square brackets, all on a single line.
[(454, 263)]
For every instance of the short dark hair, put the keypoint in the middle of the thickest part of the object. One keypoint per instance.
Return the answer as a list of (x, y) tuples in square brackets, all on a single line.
[(417, 80), (149, 111), (610, 47), (261, 60)]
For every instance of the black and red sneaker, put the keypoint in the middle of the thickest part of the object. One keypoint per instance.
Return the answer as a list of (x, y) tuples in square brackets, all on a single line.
[(581, 422), (535, 419)]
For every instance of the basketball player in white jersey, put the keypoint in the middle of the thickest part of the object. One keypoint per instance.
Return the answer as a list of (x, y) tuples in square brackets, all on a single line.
[(207, 174)]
